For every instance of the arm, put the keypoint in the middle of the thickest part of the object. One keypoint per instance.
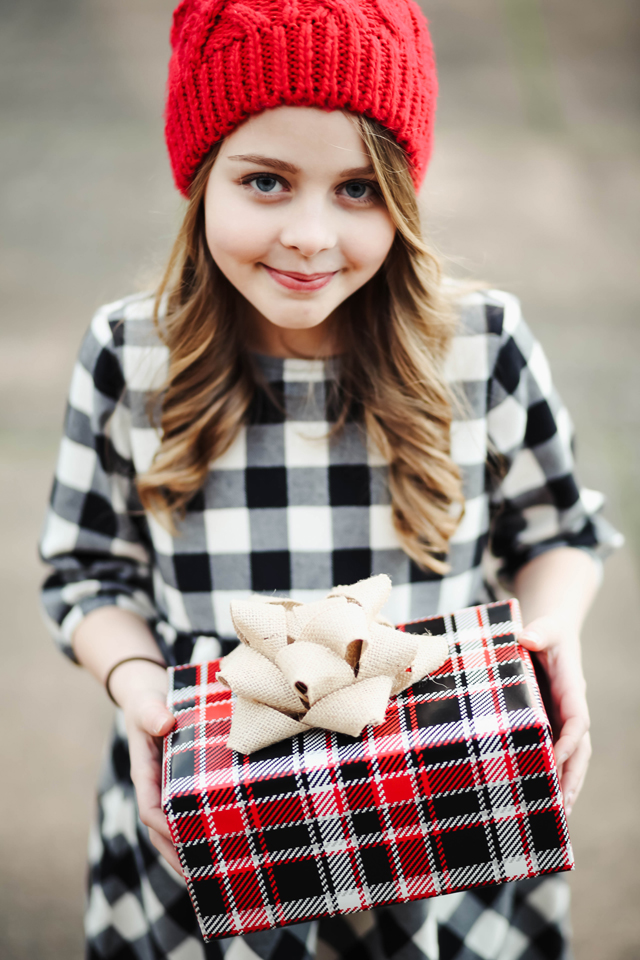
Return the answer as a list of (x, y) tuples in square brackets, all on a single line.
[(555, 590), (99, 596), (103, 638), (545, 528), (95, 536)]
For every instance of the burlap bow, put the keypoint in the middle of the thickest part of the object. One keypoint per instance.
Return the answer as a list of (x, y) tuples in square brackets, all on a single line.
[(333, 664)]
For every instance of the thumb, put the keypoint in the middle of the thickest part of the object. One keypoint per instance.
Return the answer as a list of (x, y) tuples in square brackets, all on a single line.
[(156, 718), (536, 635)]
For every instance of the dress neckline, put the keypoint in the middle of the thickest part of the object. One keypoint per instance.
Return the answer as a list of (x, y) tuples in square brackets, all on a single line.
[(291, 369)]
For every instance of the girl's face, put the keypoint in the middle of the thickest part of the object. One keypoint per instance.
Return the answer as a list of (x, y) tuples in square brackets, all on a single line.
[(295, 222)]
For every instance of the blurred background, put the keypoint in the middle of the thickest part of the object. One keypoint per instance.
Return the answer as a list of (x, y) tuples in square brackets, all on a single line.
[(534, 186)]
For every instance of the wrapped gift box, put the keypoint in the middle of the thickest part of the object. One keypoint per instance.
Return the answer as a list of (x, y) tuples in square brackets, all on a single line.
[(456, 789)]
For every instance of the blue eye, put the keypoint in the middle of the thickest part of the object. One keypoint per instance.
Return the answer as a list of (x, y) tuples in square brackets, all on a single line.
[(359, 190), (266, 184), (356, 190)]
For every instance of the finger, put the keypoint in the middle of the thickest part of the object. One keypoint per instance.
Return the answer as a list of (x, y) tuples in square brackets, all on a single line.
[(146, 772), (166, 849), (536, 635), (574, 773), (532, 640), (156, 821), (570, 737), (148, 795), (156, 718)]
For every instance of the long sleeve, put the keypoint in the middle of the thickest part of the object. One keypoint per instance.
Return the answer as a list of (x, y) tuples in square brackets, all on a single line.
[(94, 535), (538, 504)]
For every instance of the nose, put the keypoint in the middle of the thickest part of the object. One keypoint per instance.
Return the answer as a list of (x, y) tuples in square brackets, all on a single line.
[(309, 227)]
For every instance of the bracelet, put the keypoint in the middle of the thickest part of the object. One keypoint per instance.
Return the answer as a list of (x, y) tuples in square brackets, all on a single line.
[(119, 664)]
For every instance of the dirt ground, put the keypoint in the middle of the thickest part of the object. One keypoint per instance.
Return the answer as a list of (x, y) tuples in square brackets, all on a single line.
[(533, 186)]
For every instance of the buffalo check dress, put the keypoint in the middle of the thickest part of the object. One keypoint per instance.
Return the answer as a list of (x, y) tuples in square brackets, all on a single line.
[(290, 510)]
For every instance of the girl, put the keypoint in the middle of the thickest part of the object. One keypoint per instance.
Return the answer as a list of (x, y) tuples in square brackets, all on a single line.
[(304, 402)]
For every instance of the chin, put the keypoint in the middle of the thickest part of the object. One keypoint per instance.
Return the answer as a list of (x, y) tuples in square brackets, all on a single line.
[(292, 319), (298, 324)]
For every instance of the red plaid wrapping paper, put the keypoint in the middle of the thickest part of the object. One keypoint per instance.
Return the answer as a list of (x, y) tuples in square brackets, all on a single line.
[(456, 789)]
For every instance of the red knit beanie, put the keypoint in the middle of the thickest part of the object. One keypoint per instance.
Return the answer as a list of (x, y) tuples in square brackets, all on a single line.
[(235, 58)]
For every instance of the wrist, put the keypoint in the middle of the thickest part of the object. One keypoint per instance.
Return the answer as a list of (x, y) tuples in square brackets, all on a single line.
[(128, 680)]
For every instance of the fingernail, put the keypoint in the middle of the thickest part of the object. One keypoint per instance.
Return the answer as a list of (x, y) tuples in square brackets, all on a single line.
[(568, 804), (561, 758), (532, 637)]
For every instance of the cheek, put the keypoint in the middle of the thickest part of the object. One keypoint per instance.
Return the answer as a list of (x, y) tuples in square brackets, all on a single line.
[(233, 235), (367, 246)]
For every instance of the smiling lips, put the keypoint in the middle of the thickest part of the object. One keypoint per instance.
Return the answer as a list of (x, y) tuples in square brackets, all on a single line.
[(300, 281)]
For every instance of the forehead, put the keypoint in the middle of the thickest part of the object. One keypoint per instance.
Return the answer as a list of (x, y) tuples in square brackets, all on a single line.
[(304, 136)]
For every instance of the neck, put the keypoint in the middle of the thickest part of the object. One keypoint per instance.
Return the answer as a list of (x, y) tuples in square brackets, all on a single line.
[(313, 343)]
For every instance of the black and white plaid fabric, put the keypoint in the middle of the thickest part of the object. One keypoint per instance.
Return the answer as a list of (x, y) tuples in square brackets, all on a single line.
[(287, 509)]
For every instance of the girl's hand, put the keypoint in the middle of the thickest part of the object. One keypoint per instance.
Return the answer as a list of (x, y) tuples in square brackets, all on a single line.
[(141, 689), (558, 650)]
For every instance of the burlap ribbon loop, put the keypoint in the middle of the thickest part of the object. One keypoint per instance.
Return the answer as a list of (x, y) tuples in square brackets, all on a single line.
[(333, 663)]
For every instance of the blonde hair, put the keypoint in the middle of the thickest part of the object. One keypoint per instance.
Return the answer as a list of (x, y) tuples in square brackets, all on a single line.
[(397, 331)]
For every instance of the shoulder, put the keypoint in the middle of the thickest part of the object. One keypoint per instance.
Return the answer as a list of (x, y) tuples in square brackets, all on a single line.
[(123, 344), (487, 312), (490, 334)]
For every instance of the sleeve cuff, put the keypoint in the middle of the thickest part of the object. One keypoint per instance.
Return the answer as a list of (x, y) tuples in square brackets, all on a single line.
[(137, 602)]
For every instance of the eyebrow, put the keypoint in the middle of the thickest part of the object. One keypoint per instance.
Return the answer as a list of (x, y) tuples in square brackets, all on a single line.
[(357, 172), (272, 163), (269, 162)]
